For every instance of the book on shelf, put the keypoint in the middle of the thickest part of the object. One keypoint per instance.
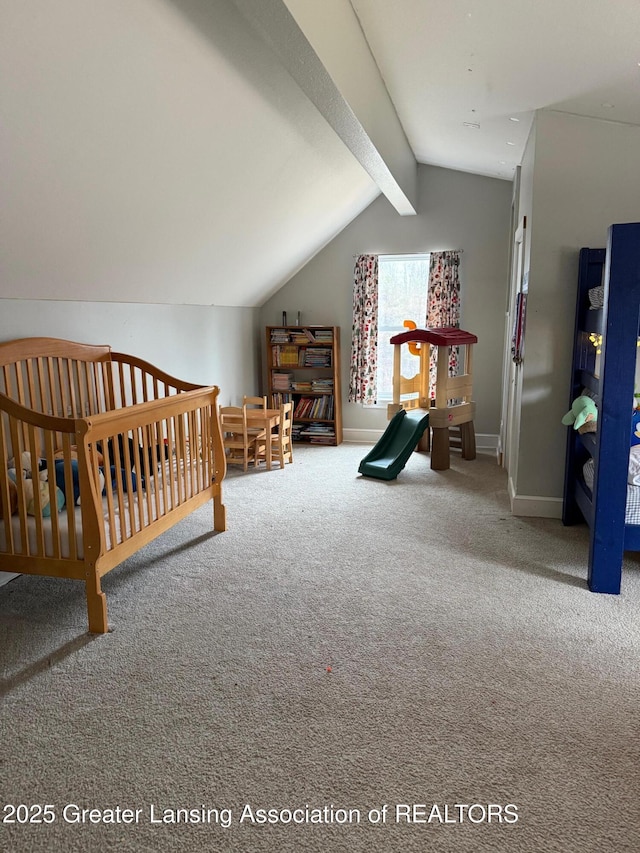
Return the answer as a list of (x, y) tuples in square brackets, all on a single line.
[(279, 336), (315, 407), (285, 355), (319, 433), (322, 385), (301, 336), (315, 433), (317, 357), (281, 381), (278, 398)]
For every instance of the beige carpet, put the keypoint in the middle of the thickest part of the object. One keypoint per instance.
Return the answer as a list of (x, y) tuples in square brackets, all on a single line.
[(352, 654)]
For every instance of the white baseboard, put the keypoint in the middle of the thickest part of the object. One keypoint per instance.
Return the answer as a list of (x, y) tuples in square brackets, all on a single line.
[(5, 577), (532, 506), (361, 436), (484, 441)]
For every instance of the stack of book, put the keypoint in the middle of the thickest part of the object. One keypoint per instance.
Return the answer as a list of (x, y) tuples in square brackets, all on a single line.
[(285, 355), (281, 381), (322, 385), (279, 336), (319, 433), (302, 336), (317, 357), (324, 336)]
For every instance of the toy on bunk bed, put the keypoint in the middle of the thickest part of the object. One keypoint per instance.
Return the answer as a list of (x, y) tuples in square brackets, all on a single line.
[(413, 414), (582, 415), (599, 485)]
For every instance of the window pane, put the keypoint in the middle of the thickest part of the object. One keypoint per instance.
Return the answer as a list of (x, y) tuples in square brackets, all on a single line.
[(402, 295)]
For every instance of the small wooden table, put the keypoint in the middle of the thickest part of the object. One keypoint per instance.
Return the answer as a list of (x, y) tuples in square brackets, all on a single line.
[(265, 419)]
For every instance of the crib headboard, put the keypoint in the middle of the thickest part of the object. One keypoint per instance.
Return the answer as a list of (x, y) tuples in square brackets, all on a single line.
[(56, 377)]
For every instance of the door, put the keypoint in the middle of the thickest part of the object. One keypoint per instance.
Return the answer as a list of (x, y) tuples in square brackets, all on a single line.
[(510, 416)]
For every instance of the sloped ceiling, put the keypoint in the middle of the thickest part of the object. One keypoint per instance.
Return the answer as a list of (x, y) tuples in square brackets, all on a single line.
[(202, 151), (153, 151), (466, 76)]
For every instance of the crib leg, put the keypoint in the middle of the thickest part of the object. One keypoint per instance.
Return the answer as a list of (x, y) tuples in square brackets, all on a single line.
[(96, 605), (219, 514)]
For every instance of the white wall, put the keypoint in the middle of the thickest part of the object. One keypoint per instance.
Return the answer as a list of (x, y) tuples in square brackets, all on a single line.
[(585, 176), (456, 210), (157, 151), (209, 346)]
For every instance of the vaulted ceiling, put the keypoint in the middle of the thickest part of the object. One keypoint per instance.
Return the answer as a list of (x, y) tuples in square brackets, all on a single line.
[(202, 151)]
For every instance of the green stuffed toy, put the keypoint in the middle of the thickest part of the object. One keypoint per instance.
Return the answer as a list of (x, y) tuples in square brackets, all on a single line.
[(583, 414)]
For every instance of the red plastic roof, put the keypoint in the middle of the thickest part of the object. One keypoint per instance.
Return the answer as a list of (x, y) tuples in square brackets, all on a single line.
[(447, 336)]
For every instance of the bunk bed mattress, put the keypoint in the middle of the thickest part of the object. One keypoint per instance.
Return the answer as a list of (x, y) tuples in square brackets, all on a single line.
[(632, 511)]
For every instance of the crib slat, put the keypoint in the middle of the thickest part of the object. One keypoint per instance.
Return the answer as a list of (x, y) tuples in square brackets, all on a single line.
[(19, 385), (48, 363), (30, 401), (70, 507), (44, 402), (107, 383), (4, 482), (106, 455), (164, 427), (119, 490), (128, 450), (49, 452), (37, 499), (72, 410), (177, 446), (17, 447)]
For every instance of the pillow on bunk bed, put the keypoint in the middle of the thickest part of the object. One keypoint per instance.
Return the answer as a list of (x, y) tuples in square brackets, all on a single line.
[(634, 465), (596, 296), (633, 472), (632, 505)]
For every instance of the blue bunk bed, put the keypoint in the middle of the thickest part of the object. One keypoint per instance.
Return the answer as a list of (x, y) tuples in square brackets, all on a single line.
[(608, 376)]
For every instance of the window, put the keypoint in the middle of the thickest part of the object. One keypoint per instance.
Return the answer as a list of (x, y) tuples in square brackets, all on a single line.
[(402, 295)]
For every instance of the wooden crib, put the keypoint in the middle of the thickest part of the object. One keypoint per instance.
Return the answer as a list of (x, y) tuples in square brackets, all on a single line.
[(118, 450)]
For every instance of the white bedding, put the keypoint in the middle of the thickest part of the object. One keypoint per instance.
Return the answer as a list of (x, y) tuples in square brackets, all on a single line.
[(632, 511)]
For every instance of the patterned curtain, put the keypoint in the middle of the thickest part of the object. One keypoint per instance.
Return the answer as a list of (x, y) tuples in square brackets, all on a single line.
[(443, 306), (364, 336)]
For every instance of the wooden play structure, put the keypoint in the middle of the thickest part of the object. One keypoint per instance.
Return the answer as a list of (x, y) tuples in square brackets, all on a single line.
[(453, 406)]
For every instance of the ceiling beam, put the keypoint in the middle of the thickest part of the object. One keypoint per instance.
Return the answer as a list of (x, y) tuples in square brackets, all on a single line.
[(385, 156)]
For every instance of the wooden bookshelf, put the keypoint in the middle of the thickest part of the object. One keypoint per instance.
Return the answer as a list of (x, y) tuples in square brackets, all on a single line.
[(303, 366)]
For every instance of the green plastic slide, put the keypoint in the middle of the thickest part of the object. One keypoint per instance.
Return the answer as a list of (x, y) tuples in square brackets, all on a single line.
[(395, 446)]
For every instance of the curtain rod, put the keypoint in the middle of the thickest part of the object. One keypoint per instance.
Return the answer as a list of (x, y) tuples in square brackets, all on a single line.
[(407, 254)]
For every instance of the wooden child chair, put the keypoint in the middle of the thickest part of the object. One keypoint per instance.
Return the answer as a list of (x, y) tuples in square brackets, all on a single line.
[(281, 443), (254, 403), (240, 445)]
